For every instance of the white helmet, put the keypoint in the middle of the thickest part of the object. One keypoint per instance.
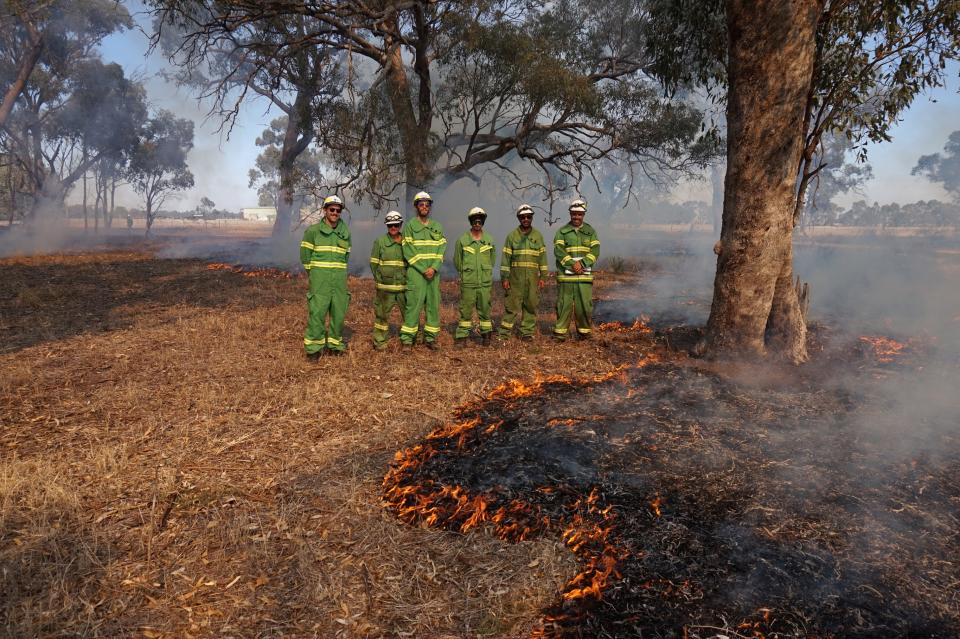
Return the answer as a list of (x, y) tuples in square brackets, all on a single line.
[(578, 205), (477, 212), (422, 195), (332, 199), (393, 217), (524, 208)]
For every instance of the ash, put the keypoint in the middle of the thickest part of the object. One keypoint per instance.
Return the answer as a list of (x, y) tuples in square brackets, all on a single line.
[(703, 507)]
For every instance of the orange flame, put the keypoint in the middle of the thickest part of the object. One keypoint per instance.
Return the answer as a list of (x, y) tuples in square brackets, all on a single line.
[(884, 348), (655, 505)]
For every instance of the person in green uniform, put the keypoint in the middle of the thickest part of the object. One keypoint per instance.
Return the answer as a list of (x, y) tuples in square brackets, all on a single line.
[(523, 268), (324, 252), (474, 256), (576, 249), (390, 274), (423, 249)]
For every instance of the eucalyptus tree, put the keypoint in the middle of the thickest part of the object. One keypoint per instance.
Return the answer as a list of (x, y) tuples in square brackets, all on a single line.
[(791, 71), (943, 168), (269, 171), (158, 163), (434, 91)]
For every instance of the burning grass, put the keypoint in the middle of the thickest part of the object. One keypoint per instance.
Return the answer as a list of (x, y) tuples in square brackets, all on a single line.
[(171, 466)]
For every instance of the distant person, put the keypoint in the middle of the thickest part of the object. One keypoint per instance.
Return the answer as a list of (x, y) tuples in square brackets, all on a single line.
[(474, 256), (423, 248), (390, 274), (324, 252), (523, 268), (576, 249), (129, 223)]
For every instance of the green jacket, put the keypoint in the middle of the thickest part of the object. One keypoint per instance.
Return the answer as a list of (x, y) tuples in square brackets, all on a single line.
[(524, 252), (387, 264), (570, 244), (474, 260), (423, 244), (324, 248)]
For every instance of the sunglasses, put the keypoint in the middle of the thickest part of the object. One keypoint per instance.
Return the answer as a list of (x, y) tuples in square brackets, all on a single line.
[(525, 216), (333, 210), (392, 226)]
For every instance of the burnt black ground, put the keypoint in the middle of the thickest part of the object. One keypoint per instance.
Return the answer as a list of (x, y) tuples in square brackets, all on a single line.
[(824, 508)]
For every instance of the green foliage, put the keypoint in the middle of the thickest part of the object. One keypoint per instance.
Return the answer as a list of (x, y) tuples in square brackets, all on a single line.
[(265, 176), (158, 164), (944, 168)]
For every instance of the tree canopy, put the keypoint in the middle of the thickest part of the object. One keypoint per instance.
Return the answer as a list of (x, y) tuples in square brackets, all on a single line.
[(943, 168)]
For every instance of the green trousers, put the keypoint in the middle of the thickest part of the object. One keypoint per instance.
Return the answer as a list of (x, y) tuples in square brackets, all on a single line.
[(422, 294), (575, 298), (474, 297), (521, 299), (328, 298), (383, 304)]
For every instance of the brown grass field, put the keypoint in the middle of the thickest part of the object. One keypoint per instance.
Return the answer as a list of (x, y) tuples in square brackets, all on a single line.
[(172, 466)]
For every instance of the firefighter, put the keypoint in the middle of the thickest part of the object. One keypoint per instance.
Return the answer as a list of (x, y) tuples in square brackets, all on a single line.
[(324, 252), (577, 249), (523, 268), (390, 274), (474, 257), (423, 248)]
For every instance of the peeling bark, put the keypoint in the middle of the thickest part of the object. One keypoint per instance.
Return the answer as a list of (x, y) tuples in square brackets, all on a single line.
[(771, 54)]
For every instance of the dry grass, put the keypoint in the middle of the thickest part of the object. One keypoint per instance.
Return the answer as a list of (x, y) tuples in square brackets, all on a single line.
[(172, 466)]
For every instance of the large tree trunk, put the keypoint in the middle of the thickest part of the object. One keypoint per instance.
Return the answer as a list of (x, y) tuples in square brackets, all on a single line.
[(28, 60), (771, 57), (297, 137)]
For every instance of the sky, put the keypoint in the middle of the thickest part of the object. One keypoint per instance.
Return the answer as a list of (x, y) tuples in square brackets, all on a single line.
[(220, 163)]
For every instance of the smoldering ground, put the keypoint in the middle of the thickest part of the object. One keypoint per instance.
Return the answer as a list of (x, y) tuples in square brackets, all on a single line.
[(737, 501)]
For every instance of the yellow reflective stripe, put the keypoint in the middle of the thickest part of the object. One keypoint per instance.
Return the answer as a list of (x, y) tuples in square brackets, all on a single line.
[(425, 256), (507, 250), (574, 278), (393, 288), (583, 331), (469, 249), (466, 324), (526, 264), (427, 242), (330, 249), (408, 329), (375, 260), (393, 263), (560, 243), (566, 258), (335, 265), (529, 252), (595, 243), (381, 327), (578, 249), (506, 324), (313, 342), (504, 268), (560, 331), (486, 324), (431, 329), (486, 247), (306, 245), (334, 341)]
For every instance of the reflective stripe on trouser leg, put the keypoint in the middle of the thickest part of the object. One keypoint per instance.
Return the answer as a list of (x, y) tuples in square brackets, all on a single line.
[(470, 299), (565, 294), (315, 337), (431, 324), (382, 307), (583, 306), (531, 300), (416, 295), (522, 298), (339, 300)]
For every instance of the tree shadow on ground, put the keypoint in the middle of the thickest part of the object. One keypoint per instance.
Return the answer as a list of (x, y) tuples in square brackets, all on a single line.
[(54, 298)]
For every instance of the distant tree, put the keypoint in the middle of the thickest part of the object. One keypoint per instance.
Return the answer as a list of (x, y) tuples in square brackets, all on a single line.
[(944, 168), (840, 174), (269, 174), (158, 165)]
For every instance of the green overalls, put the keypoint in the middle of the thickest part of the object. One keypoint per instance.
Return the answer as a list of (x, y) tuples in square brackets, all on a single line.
[(523, 264), (423, 247), (390, 274), (474, 260), (575, 292), (324, 252)]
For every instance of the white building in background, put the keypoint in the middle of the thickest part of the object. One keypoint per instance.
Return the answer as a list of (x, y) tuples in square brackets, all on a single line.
[(259, 213)]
